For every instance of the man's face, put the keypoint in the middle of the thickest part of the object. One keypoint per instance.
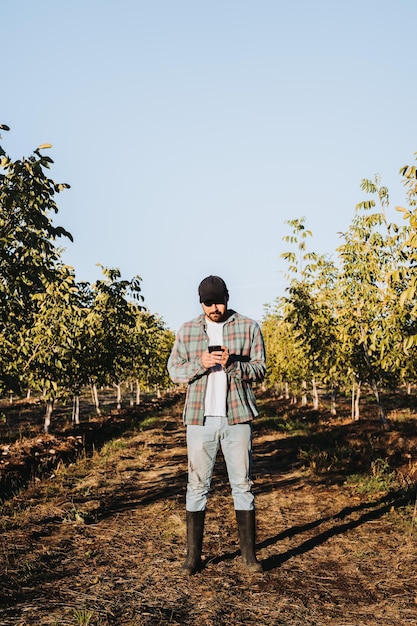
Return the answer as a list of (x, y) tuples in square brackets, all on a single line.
[(215, 311)]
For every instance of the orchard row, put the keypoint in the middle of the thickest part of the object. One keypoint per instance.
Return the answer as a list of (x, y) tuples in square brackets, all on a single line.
[(59, 335), (352, 321)]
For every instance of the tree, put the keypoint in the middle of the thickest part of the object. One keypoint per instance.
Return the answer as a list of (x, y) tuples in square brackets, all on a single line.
[(371, 321), (61, 334), (309, 309), (406, 275), (110, 320), (286, 365), (29, 257), (53, 346)]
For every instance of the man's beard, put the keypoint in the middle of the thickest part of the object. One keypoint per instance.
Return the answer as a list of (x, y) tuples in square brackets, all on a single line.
[(216, 316)]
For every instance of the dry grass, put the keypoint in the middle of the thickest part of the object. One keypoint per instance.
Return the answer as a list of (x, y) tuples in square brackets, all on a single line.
[(100, 542)]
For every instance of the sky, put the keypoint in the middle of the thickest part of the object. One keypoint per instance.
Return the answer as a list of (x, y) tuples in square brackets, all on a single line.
[(191, 131)]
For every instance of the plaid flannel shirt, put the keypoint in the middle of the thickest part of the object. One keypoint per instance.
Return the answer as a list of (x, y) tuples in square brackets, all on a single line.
[(246, 365)]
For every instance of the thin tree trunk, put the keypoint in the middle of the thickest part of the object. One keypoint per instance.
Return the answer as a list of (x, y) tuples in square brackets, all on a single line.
[(48, 415), (315, 396), (132, 394), (95, 398), (382, 415), (304, 394), (287, 390), (333, 410), (137, 392), (118, 396), (356, 394), (358, 397), (76, 409), (374, 383)]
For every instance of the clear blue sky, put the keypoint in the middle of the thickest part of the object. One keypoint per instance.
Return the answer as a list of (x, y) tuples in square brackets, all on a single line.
[(191, 130)]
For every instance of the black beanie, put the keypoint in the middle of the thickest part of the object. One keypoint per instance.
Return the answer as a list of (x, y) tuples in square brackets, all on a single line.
[(213, 288)]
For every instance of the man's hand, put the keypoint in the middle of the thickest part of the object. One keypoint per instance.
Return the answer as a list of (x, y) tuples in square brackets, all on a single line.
[(211, 359)]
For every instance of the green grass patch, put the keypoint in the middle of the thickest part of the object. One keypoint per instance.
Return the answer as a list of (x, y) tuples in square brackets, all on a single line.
[(282, 423), (381, 478), (336, 457)]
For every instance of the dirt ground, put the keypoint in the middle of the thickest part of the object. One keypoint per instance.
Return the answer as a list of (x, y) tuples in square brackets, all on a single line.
[(100, 541)]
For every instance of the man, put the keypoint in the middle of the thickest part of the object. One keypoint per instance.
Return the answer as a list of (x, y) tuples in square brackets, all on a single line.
[(218, 355)]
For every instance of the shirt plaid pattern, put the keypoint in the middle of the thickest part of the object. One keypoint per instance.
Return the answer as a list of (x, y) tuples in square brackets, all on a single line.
[(246, 365)]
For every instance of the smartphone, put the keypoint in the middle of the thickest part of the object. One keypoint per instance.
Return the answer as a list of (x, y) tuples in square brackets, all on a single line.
[(215, 349)]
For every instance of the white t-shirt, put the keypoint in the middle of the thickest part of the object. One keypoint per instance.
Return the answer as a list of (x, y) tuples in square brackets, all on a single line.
[(216, 392)]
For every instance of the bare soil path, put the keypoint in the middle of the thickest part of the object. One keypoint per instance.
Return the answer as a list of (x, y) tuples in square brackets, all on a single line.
[(100, 543)]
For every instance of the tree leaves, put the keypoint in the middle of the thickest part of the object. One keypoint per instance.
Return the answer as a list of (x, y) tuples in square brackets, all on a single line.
[(357, 319), (29, 259)]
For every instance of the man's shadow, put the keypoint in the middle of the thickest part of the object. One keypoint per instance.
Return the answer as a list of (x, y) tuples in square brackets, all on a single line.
[(371, 511)]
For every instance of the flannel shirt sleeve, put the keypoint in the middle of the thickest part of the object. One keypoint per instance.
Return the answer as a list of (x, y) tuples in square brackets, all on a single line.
[(184, 364), (250, 369)]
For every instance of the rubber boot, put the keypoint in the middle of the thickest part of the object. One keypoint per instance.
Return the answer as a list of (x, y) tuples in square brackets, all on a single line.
[(195, 529), (246, 529)]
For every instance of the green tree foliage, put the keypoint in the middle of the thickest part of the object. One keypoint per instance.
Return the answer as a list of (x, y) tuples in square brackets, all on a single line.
[(286, 365), (372, 320), (110, 319), (406, 275), (151, 344), (52, 347), (305, 317), (58, 335), (27, 241), (355, 321)]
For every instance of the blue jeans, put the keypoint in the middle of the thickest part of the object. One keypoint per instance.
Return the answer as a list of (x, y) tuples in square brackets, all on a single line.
[(202, 445)]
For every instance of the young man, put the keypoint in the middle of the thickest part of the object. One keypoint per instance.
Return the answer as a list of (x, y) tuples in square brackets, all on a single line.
[(218, 355)]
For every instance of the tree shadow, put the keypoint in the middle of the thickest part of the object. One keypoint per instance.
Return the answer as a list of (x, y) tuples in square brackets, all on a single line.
[(132, 496)]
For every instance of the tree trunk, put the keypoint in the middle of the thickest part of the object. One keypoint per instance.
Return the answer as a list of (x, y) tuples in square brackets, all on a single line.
[(374, 384), (76, 409), (287, 390), (118, 396), (333, 410), (137, 401), (304, 394), (382, 415), (48, 415), (132, 393), (95, 398), (315, 396), (356, 394)]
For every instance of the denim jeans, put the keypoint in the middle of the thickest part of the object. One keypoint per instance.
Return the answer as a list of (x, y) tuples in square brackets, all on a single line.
[(202, 445)]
